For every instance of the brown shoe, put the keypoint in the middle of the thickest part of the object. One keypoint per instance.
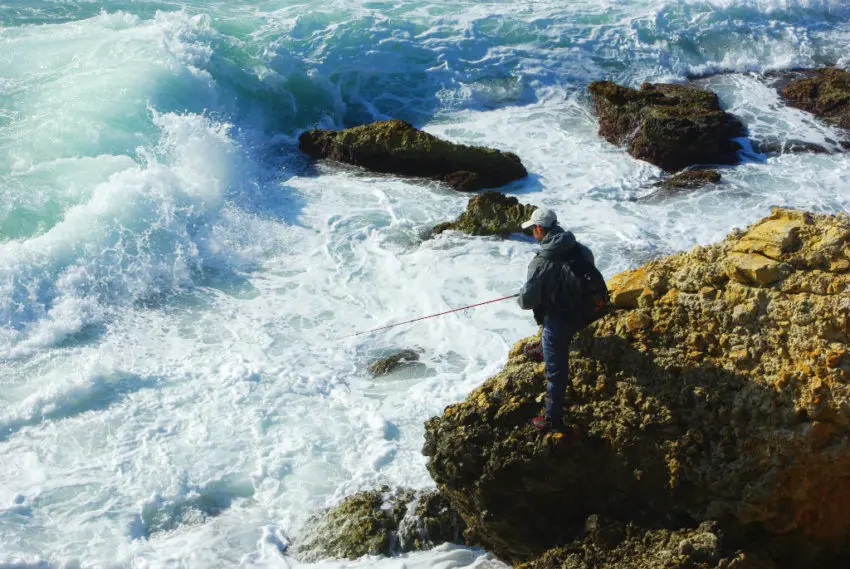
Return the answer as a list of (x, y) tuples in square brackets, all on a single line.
[(533, 351)]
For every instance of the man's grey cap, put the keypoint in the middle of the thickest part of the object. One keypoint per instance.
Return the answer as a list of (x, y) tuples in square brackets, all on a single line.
[(542, 217)]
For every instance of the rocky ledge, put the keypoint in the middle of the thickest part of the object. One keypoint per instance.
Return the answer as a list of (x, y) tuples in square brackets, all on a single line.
[(394, 146), (714, 393), (671, 126)]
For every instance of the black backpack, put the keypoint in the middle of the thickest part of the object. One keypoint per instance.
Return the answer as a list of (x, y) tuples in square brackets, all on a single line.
[(593, 298)]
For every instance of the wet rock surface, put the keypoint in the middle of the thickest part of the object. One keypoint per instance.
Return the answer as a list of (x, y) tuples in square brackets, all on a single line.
[(822, 92), (671, 126), (717, 389), (394, 146), (490, 213), (690, 180), (394, 361), (384, 521)]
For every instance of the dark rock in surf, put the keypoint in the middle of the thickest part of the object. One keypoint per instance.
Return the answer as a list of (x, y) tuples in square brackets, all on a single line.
[(690, 180), (822, 92), (394, 146), (791, 146), (393, 362), (380, 522), (671, 126), (490, 213)]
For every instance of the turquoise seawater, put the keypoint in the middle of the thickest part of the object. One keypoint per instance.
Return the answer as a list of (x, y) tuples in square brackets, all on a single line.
[(175, 276)]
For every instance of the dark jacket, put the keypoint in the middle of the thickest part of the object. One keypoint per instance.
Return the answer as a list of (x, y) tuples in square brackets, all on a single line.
[(549, 289)]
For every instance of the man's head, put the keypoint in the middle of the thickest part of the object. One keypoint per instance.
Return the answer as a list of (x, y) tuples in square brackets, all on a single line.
[(542, 220)]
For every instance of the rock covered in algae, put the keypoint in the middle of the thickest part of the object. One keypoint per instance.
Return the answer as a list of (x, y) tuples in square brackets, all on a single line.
[(393, 361), (381, 522), (717, 389), (490, 213), (822, 92), (690, 179), (396, 147), (671, 126)]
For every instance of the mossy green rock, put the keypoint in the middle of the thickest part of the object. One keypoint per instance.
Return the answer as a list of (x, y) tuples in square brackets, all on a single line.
[(490, 213), (380, 522), (671, 126), (823, 92), (718, 388), (396, 147), (690, 179), (392, 362)]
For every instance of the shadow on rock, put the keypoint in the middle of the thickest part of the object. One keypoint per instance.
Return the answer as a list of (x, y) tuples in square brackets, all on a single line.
[(607, 544)]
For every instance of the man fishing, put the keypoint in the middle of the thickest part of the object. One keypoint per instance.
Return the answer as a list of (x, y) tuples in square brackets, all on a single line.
[(563, 290)]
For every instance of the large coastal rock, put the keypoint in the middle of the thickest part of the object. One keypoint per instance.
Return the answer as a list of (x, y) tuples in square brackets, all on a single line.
[(716, 390), (671, 126), (396, 147), (823, 92), (489, 213), (384, 521)]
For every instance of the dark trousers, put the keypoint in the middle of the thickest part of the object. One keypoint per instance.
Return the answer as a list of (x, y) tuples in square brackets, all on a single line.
[(557, 334)]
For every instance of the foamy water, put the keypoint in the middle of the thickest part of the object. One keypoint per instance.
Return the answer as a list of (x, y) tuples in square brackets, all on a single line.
[(179, 286)]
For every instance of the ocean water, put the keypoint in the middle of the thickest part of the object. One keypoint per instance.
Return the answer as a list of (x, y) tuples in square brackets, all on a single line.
[(178, 286)]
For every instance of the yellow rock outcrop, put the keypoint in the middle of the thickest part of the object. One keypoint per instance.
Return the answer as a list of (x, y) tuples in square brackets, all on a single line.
[(718, 388)]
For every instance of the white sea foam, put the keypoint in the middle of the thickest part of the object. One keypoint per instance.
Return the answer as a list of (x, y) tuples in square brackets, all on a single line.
[(180, 381)]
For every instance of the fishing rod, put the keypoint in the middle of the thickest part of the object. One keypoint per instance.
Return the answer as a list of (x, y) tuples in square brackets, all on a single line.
[(430, 316)]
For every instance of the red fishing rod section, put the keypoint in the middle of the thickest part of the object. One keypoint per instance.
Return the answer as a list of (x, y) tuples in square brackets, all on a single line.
[(432, 315)]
